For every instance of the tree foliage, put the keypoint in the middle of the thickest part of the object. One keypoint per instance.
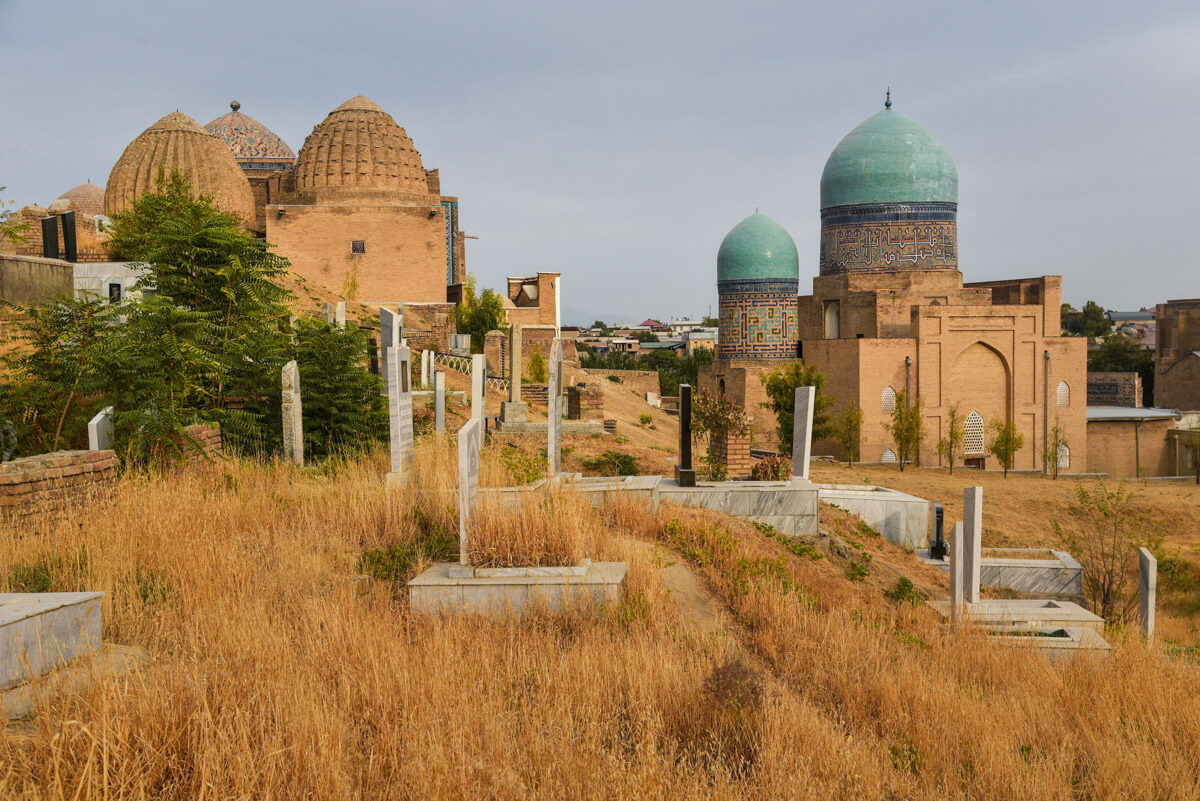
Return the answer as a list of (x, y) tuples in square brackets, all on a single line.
[(1057, 441), (1119, 353), (847, 431), (672, 370), (479, 315), (11, 229), (907, 428), (1090, 322), (956, 434), (717, 417), (1006, 442), (781, 384)]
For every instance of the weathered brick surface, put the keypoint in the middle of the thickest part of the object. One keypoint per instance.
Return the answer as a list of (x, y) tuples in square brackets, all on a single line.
[(535, 393), (734, 450), (208, 437), (585, 402), (50, 479)]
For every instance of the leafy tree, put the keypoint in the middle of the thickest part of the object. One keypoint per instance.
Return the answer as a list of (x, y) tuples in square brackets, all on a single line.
[(717, 418), (12, 230), (956, 435), (847, 432), (1057, 441), (1006, 441), (907, 429), (781, 384), (1090, 322), (1119, 353), (710, 322), (479, 315), (646, 336), (537, 373)]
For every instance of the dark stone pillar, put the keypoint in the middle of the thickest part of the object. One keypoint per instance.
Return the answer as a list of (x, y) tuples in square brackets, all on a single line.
[(685, 475)]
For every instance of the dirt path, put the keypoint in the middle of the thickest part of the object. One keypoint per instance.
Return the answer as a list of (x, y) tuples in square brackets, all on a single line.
[(694, 602)]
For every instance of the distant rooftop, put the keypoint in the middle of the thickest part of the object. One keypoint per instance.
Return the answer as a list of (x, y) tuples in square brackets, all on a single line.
[(1114, 413)]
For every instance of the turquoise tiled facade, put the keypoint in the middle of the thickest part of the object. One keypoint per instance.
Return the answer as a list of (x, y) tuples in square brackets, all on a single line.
[(758, 274)]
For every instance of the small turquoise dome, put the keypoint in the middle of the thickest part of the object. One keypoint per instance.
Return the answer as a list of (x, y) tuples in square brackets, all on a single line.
[(756, 248), (889, 159)]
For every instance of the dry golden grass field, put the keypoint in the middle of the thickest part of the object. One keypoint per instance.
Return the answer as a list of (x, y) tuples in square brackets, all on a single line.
[(272, 677)]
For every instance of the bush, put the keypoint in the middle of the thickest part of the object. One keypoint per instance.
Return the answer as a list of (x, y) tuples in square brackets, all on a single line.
[(645, 420), (613, 463), (616, 379), (523, 468), (772, 468), (906, 592), (536, 374)]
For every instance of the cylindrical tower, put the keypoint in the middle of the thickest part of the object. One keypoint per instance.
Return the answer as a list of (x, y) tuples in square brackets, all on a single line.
[(889, 200), (758, 274)]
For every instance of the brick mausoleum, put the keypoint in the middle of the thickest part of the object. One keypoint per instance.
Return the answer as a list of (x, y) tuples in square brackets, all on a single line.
[(890, 313)]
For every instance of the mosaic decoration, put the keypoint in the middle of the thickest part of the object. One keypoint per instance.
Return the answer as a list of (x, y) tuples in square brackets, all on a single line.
[(758, 319), (451, 213), (1113, 389), (889, 236), (253, 144)]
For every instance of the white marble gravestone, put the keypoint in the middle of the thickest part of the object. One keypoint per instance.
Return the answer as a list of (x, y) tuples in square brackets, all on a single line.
[(478, 386), (439, 402), (400, 418), (293, 416), (554, 399), (470, 441), (972, 541), (1148, 584), (958, 595), (100, 430), (426, 367), (389, 337), (806, 401), (515, 364), (339, 314)]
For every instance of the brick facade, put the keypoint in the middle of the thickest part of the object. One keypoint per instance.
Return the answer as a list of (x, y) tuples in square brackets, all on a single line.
[(734, 451), (54, 479), (535, 393), (1176, 363), (208, 437), (585, 402)]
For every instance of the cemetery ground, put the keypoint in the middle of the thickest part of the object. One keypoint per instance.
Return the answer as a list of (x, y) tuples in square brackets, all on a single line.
[(273, 673)]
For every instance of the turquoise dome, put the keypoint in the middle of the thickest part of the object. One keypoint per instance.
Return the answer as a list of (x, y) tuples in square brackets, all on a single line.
[(889, 159), (758, 248)]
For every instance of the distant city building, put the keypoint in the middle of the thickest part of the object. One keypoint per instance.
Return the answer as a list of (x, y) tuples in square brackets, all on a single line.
[(1177, 357)]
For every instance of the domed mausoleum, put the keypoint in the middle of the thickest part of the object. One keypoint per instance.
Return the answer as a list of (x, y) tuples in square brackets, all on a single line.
[(86, 198), (889, 199), (758, 273), (178, 143), (263, 156)]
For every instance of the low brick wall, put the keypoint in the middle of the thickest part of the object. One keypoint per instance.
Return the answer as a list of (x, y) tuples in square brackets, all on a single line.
[(535, 393), (735, 452), (208, 437), (585, 402), (49, 479), (637, 381)]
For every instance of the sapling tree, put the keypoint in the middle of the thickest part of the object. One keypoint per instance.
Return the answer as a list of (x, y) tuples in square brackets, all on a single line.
[(1056, 443), (847, 432), (951, 444), (718, 418), (907, 428), (1006, 442), (781, 384)]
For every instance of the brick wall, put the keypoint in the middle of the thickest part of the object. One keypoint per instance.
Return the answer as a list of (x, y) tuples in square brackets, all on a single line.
[(208, 437), (638, 381), (585, 402), (735, 452), (535, 393), (51, 479), (495, 353)]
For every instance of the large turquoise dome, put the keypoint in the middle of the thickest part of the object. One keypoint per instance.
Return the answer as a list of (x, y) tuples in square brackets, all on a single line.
[(758, 248), (889, 159)]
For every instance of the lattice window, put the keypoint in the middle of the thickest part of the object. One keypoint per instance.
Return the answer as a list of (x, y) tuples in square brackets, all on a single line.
[(1064, 394), (973, 430), (888, 403), (358, 246), (889, 456), (1064, 457)]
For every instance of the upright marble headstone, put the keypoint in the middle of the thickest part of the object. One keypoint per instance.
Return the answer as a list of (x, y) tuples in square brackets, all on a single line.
[(100, 430), (478, 386), (685, 474), (1148, 570), (327, 311), (972, 541), (806, 401), (389, 337), (470, 440), (293, 416), (439, 402), (400, 416), (515, 364), (339, 313), (958, 595), (426, 366), (554, 414)]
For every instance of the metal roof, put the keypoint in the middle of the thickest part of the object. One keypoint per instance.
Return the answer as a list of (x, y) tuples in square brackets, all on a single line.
[(1112, 413)]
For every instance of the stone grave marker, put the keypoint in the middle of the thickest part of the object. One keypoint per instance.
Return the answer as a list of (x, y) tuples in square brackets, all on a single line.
[(514, 364), (439, 401), (100, 430), (400, 417), (478, 386), (685, 474), (339, 313), (972, 541), (1148, 570), (554, 415), (327, 312), (470, 441), (806, 401), (389, 337), (426, 366), (958, 595), (293, 417)]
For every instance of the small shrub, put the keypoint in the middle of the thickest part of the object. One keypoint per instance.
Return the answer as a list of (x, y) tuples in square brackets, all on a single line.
[(645, 420), (613, 463), (537, 368), (772, 468), (858, 571), (865, 530), (523, 468), (906, 592), (616, 379)]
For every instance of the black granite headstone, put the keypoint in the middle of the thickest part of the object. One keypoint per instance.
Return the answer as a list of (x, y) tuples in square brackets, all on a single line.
[(938, 549), (685, 475), (50, 237), (70, 250)]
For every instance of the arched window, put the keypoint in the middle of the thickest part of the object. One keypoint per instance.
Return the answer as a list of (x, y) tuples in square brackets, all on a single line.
[(1064, 457), (722, 385), (1064, 394), (889, 456), (833, 319), (973, 431), (888, 402)]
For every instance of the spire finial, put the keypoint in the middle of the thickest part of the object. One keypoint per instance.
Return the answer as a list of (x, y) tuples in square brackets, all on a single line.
[(235, 105), (888, 102)]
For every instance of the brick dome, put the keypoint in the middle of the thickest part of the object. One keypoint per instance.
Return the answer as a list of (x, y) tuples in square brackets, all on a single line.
[(178, 143), (86, 198), (359, 152), (254, 145)]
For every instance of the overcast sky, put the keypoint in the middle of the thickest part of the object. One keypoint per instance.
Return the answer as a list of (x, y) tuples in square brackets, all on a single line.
[(618, 142)]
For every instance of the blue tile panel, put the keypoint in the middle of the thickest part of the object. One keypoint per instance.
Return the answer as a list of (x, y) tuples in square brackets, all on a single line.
[(872, 237), (757, 319)]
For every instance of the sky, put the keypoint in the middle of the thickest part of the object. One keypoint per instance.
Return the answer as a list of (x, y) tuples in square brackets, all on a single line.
[(618, 142)]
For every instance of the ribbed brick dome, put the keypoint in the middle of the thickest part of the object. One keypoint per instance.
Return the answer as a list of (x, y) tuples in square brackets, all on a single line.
[(87, 198), (359, 152), (178, 143)]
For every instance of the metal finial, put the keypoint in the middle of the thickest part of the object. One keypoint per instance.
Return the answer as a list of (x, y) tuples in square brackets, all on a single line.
[(888, 102), (235, 105)]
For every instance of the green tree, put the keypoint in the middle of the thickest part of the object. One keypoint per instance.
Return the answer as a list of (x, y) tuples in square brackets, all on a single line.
[(1006, 441), (710, 322), (716, 418), (1090, 322), (1057, 441), (646, 336), (907, 428), (11, 228), (781, 384), (956, 435), (847, 432), (479, 315), (536, 369), (1119, 353)]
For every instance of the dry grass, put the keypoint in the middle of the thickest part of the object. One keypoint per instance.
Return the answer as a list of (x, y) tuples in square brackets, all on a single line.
[(272, 679)]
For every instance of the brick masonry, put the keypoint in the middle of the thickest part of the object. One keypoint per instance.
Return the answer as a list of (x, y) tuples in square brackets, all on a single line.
[(208, 437), (735, 452), (34, 483), (585, 402), (535, 393)]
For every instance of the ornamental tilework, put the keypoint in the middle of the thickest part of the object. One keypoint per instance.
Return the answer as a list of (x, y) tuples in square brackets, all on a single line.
[(889, 236), (757, 325)]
